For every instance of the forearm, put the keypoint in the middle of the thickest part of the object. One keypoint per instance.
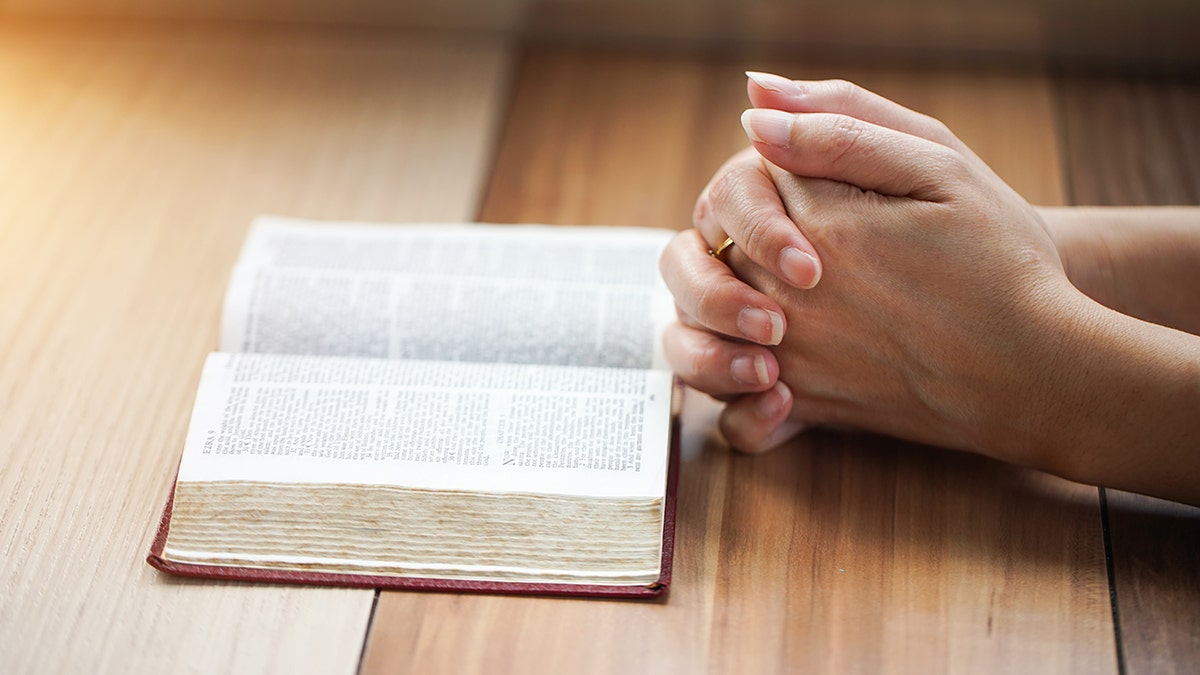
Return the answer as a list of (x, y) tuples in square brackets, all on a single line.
[(1128, 413), (1140, 261)]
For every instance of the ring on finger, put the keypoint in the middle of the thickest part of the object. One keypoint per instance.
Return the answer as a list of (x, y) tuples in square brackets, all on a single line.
[(725, 245)]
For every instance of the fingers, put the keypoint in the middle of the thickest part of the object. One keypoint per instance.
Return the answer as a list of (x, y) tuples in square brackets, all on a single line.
[(849, 150), (845, 98), (717, 366), (759, 224), (759, 422), (709, 294)]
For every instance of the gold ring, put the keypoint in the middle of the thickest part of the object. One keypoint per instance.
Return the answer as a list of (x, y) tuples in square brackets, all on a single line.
[(722, 248)]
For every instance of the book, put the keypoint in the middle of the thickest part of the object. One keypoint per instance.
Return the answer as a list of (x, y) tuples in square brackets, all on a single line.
[(469, 407)]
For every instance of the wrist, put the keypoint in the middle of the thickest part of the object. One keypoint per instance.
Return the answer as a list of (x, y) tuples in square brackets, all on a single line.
[(1118, 404), (1077, 371), (1043, 377)]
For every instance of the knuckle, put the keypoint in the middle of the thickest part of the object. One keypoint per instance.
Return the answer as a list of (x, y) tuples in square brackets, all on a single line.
[(939, 130), (709, 303), (835, 137), (725, 187), (846, 132), (844, 92), (757, 225), (717, 304), (703, 359), (718, 191), (948, 163), (730, 200)]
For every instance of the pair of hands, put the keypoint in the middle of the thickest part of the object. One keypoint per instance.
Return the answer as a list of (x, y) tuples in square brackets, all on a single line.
[(883, 278)]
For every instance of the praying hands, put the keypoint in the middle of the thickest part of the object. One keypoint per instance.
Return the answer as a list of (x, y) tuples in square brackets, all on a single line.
[(882, 277)]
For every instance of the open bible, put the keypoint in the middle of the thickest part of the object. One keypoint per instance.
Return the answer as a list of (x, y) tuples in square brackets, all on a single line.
[(469, 407)]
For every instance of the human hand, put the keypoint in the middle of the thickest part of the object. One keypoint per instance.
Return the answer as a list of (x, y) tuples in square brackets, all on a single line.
[(744, 190), (766, 234), (717, 344), (931, 248)]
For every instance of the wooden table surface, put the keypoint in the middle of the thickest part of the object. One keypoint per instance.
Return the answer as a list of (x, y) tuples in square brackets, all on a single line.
[(132, 159)]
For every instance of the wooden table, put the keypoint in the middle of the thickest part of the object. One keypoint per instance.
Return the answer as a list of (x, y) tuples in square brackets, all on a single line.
[(132, 158)]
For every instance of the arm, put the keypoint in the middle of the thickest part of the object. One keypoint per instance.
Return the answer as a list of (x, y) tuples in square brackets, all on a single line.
[(1144, 262), (1124, 412), (944, 315), (742, 191)]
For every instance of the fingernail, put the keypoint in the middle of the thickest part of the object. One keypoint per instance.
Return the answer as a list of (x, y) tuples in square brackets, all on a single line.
[(773, 127), (799, 268), (775, 83), (768, 407), (776, 328), (784, 432), (760, 325), (750, 370)]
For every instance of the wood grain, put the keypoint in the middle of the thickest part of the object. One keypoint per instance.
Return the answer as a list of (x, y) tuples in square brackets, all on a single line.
[(1131, 141), (132, 159), (1136, 141), (841, 553)]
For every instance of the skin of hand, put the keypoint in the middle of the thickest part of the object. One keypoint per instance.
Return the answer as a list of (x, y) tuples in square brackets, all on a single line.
[(943, 313), (942, 295), (743, 190)]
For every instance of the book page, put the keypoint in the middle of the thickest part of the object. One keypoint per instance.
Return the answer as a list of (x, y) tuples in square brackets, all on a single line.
[(586, 296), (601, 432)]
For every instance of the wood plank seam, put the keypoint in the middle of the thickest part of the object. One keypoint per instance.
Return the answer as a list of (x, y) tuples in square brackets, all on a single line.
[(362, 653), (1063, 135), (1110, 569)]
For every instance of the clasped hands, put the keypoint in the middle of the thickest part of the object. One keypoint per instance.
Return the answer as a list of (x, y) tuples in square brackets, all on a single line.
[(883, 278)]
